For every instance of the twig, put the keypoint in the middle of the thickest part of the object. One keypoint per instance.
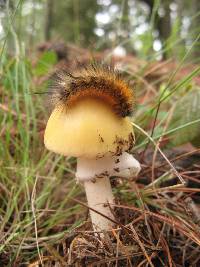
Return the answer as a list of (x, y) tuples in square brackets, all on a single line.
[(33, 195), (170, 164)]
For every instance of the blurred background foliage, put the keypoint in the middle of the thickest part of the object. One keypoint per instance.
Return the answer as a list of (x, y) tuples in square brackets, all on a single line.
[(156, 45), (138, 27)]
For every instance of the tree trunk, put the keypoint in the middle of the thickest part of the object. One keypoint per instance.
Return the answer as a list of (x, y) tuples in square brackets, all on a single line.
[(164, 25), (49, 19), (125, 26)]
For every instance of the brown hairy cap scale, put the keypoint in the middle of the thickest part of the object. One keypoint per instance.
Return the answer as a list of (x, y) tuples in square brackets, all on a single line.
[(98, 82)]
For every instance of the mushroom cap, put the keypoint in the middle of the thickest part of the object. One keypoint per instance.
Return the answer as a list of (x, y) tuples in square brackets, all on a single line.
[(88, 129)]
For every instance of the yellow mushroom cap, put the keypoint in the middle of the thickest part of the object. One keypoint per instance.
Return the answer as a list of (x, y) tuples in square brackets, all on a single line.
[(88, 129)]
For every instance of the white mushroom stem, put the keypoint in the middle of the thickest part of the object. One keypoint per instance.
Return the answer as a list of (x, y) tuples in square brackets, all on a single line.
[(94, 174), (100, 198)]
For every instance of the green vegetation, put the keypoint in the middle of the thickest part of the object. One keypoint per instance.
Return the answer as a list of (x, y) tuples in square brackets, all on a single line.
[(40, 203)]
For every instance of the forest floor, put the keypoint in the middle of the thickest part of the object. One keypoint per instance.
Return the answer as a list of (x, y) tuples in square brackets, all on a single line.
[(43, 212)]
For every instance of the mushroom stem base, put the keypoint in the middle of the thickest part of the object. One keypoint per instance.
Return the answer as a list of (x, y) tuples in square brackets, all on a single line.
[(100, 198)]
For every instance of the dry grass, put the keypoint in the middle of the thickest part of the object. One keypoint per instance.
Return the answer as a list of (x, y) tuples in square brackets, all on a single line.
[(158, 224)]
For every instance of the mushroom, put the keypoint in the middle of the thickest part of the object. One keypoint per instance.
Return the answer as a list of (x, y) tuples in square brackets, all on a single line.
[(90, 122)]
